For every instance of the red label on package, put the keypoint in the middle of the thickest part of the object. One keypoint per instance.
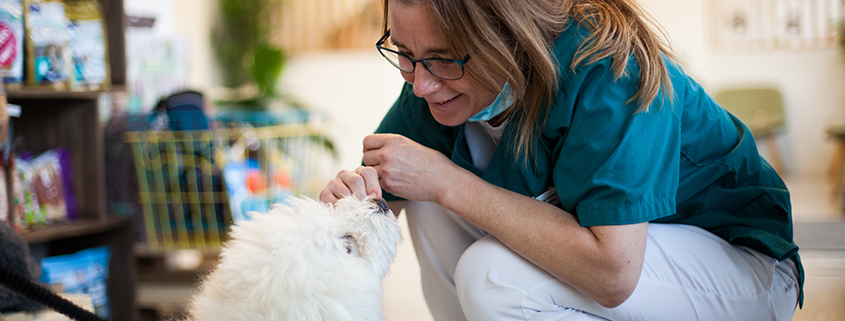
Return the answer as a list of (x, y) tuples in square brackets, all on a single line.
[(8, 46)]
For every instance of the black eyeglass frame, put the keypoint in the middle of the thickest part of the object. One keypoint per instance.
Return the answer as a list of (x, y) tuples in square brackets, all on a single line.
[(424, 62)]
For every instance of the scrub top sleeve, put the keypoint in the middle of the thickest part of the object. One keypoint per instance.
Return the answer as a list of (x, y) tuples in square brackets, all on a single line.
[(615, 165)]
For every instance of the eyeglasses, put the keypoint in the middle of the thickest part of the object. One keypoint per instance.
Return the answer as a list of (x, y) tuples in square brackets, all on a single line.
[(448, 69)]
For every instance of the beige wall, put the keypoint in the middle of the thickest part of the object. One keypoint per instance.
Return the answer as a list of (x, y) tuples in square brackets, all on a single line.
[(354, 88), (193, 18)]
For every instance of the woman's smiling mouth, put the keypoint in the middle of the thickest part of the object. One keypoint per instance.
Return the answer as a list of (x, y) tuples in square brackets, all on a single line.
[(446, 101)]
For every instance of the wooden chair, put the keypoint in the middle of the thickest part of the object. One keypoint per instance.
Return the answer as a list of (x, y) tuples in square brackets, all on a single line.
[(837, 133), (761, 109)]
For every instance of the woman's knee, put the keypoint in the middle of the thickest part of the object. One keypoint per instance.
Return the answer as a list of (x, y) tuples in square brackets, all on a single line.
[(482, 291), (476, 263), (495, 283)]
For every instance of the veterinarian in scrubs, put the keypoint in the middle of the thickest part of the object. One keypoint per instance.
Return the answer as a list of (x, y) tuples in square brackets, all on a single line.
[(556, 163)]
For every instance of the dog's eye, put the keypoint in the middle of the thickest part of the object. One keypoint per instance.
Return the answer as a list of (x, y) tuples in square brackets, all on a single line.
[(350, 244)]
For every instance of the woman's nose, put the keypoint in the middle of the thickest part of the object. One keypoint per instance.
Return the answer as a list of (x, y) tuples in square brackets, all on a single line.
[(424, 82)]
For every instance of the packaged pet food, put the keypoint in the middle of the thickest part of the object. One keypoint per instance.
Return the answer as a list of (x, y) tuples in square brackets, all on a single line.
[(47, 185), (16, 199), (4, 116), (47, 46), (4, 197), (4, 130), (67, 182), (11, 43), (83, 272), (87, 44), (33, 212)]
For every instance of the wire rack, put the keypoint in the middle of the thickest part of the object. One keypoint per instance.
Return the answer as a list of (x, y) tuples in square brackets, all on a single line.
[(194, 184)]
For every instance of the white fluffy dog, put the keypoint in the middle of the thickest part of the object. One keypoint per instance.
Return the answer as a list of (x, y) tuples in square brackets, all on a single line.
[(306, 261)]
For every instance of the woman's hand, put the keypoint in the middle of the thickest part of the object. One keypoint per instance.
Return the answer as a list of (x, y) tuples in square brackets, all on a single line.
[(400, 166), (361, 182), (408, 169)]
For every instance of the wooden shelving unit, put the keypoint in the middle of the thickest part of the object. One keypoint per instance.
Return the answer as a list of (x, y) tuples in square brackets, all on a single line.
[(47, 94), (113, 232), (63, 231), (51, 119)]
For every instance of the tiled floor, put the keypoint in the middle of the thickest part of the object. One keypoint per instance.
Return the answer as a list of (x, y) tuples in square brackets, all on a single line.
[(812, 203), (820, 233)]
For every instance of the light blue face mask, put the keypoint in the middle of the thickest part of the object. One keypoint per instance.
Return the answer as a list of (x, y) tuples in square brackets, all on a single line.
[(502, 103)]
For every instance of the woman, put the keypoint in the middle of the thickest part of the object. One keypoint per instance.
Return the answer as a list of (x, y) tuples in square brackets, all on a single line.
[(554, 163)]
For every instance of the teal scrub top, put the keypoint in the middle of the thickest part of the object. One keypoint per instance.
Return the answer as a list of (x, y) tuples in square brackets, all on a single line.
[(686, 162)]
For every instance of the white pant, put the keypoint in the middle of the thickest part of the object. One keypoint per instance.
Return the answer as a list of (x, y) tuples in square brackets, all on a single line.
[(688, 274)]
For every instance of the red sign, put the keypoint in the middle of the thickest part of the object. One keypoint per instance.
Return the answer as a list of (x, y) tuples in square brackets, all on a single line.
[(8, 47)]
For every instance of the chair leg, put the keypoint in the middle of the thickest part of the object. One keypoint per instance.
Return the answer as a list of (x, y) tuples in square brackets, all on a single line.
[(836, 167), (774, 154)]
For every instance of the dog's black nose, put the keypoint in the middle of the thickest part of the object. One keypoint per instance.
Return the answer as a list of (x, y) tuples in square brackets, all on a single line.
[(382, 205)]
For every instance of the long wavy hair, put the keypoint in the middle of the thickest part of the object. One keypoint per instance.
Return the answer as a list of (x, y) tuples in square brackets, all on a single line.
[(517, 35)]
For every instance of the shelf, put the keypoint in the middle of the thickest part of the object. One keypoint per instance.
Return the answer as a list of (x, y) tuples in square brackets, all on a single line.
[(164, 296), (72, 119), (49, 94), (82, 227)]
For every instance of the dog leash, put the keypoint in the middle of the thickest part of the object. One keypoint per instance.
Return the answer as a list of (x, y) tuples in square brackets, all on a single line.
[(35, 292)]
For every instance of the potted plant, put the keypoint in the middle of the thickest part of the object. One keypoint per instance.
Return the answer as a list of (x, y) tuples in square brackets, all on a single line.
[(841, 33), (250, 64)]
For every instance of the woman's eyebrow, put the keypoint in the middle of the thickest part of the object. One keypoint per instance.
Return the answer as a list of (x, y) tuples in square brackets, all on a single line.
[(439, 51)]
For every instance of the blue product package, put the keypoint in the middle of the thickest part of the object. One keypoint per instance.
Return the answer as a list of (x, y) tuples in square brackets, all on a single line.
[(84, 272), (67, 181), (243, 201), (234, 174)]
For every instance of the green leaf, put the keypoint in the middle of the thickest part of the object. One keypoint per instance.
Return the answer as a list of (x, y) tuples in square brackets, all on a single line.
[(841, 33), (241, 27), (267, 65)]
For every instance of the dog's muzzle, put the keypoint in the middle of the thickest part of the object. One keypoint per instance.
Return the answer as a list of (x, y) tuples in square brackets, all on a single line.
[(382, 205)]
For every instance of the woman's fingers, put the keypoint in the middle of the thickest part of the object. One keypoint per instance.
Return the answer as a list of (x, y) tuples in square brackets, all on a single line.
[(335, 190), (376, 141), (327, 196), (371, 184), (361, 182), (364, 180)]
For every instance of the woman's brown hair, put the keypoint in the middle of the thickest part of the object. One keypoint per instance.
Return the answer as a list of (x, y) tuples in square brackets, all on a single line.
[(508, 35)]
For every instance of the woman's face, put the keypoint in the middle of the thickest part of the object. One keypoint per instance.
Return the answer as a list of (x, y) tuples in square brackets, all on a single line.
[(413, 32)]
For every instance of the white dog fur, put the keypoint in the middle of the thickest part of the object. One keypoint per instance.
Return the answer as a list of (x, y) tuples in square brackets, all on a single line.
[(306, 261)]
